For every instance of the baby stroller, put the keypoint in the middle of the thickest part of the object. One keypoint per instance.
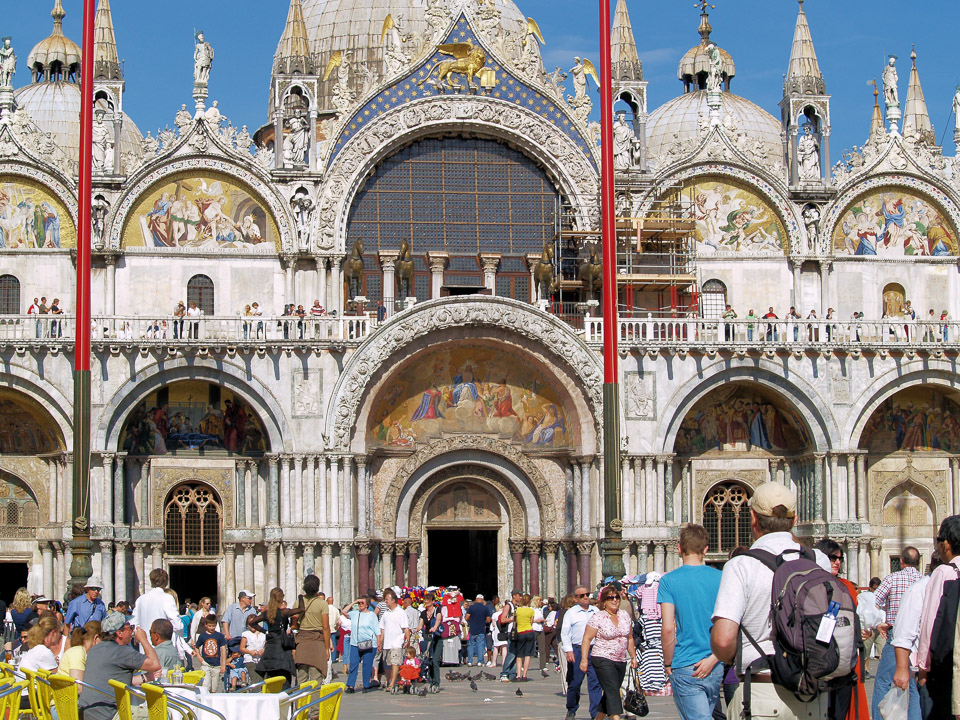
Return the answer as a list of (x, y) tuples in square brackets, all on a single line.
[(412, 675)]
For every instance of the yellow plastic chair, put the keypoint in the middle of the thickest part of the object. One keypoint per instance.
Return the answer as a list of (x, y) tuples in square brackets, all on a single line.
[(122, 693), (273, 685), (160, 703), (39, 693), (10, 700), (194, 677), (297, 697), (328, 703), (7, 670), (66, 696)]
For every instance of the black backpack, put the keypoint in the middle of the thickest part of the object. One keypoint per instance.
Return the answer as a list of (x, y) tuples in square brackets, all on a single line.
[(799, 598)]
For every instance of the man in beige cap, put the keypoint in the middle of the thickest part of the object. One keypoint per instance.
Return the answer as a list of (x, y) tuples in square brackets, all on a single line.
[(744, 601)]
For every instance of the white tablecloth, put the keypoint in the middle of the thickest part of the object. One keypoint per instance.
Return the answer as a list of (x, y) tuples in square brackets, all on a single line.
[(234, 706)]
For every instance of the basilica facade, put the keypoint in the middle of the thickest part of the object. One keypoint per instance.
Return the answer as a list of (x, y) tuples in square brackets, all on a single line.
[(428, 192)]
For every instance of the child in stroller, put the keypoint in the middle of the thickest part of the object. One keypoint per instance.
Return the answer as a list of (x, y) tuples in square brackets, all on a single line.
[(412, 671)]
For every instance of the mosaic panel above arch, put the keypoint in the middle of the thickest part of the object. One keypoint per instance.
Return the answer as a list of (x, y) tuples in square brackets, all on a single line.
[(201, 211), (32, 217), (917, 418), (742, 417), (732, 217), (470, 389), (26, 428), (894, 221), (193, 416)]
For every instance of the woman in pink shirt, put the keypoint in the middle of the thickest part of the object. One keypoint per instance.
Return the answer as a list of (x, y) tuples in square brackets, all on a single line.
[(610, 632)]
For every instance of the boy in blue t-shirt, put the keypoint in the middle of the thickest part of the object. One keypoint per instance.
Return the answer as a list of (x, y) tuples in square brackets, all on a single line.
[(211, 650), (687, 596)]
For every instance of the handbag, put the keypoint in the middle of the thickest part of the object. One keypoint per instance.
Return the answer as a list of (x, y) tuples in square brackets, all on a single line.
[(365, 645), (635, 702)]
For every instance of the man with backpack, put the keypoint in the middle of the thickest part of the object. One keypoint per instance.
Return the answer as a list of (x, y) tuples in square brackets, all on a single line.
[(743, 608), (938, 625), (509, 670)]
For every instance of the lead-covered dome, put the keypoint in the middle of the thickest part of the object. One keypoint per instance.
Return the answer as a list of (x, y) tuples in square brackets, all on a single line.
[(356, 26), (679, 121)]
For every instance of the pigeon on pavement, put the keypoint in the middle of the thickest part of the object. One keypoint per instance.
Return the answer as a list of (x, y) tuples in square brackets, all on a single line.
[(473, 685), (519, 692)]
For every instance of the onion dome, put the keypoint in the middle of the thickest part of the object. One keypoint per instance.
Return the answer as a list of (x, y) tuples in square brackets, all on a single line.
[(695, 64), (56, 57)]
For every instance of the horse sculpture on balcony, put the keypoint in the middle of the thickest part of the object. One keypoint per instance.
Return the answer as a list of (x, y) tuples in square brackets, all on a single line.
[(353, 269), (591, 271), (545, 275), (405, 270)]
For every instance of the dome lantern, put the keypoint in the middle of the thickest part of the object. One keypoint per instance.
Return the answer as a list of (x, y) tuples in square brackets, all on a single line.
[(694, 66), (56, 57)]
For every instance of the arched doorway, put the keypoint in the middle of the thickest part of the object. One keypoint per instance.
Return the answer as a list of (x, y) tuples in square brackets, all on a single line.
[(461, 524), (192, 530)]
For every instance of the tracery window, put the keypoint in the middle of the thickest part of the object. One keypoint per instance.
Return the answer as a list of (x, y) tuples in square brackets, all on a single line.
[(462, 196), (192, 521), (18, 507), (726, 516), (9, 295), (713, 297), (200, 291)]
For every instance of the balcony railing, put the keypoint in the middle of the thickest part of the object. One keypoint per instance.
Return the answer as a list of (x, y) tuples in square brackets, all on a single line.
[(189, 331), (897, 332)]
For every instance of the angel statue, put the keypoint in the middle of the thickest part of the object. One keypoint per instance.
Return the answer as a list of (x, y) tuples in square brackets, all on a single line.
[(8, 63), (393, 55), (714, 76), (530, 61), (580, 101), (343, 96), (202, 60), (891, 95)]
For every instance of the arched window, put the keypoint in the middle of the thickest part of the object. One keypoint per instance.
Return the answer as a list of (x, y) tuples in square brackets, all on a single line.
[(713, 298), (9, 295), (894, 300), (192, 521), (726, 516), (13, 514), (200, 291)]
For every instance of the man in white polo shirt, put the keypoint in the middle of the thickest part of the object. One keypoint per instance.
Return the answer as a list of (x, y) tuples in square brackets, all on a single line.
[(394, 635), (744, 601)]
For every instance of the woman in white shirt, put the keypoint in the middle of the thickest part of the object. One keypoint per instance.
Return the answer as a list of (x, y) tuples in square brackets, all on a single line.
[(252, 642), (499, 645), (203, 609), (44, 640)]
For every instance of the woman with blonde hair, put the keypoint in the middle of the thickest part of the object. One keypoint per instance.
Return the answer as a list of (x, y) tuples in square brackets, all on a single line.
[(526, 641), (277, 660), (500, 641), (20, 610), (203, 609), (74, 661), (44, 640)]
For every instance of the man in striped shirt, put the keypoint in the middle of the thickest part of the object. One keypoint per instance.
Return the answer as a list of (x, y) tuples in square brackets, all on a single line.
[(888, 597)]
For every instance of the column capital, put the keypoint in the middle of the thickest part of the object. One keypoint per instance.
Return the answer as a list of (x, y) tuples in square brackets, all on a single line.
[(272, 545), (249, 547), (289, 546), (489, 261), (138, 547), (533, 259), (229, 548), (400, 547), (585, 547), (109, 259), (387, 546), (106, 547), (517, 546), (876, 544), (533, 546), (388, 259), (326, 548), (107, 455), (272, 460), (437, 261), (413, 547), (364, 547), (550, 547)]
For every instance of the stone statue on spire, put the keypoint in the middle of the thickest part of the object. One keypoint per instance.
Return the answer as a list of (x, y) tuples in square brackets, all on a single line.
[(956, 112), (202, 60), (714, 77), (8, 63), (891, 95)]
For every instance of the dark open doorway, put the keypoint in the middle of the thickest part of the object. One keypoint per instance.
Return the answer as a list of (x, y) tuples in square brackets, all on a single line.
[(13, 576), (467, 558), (195, 582)]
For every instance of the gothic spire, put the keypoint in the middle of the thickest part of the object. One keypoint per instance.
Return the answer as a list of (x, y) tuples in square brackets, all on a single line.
[(803, 73), (876, 121), (106, 63), (293, 55), (915, 114), (626, 63)]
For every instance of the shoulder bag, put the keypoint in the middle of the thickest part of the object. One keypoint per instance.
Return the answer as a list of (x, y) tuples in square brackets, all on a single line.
[(635, 702)]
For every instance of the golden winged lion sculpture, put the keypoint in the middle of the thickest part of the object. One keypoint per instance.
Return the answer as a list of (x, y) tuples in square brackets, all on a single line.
[(468, 60)]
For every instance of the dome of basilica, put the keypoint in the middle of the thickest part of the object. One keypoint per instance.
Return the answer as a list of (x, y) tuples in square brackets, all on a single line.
[(679, 121), (356, 26)]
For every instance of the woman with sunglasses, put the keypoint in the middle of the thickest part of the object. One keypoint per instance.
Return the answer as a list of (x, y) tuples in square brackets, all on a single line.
[(607, 645), (364, 628)]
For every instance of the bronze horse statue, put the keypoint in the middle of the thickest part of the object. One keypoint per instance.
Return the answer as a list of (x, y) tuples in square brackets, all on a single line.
[(591, 271), (405, 270), (544, 275), (353, 269)]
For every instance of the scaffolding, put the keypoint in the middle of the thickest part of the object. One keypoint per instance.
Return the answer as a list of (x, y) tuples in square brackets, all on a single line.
[(656, 261)]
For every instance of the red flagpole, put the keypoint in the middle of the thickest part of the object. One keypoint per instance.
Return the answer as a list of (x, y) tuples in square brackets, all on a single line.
[(613, 527), (81, 568)]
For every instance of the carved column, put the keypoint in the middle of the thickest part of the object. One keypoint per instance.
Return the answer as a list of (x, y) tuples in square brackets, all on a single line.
[(273, 493), (661, 490), (120, 572), (668, 488), (686, 491), (626, 501), (290, 568), (438, 261), (386, 563), (516, 550), (309, 560), (577, 502), (249, 574), (321, 264), (145, 495), (569, 500), (400, 549), (955, 482), (284, 496), (533, 548), (46, 553), (323, 518), (110, 299), (550, 549), (106, 571), (851, 488), (388, 265), (230, 570), (862, 514), (297, 490), (586, 491), (533, 259), (875, 546), (490, 262), (240, 493), (326, 567), (362, 509), (833, 483), (335, 499), (585, 550), (818, 487), (650, 480), (363, 566), (570, 554), (659, 556), (412, 560), (108, 489), (289, 262), (308, 488), (138, 548)]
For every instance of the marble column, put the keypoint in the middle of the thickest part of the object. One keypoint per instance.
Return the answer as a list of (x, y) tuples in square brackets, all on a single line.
[(412, 574), (326, 568), (388, 265), (309, 481), (138, 566), (400, 550), (570, 556), (46, 554), (875, 547), (569, 499), (550, 550), (106, 571), (323, 517), (322, 277), (686, 491), (633, 567), (371, 580), (310, 561), (110, 299), (285, 491), (438, 262), (818, 495), (120, 591), (272, 580), (363, 566), (298, 490), (852, 558), (862, 515), (533, 549), (273, 493), (516, 551), (362, 511), (386, 564), (650, 481), (240, 493), (851, 489), (335, 500), (668, 489), (661, 491), (254, 493), (626, 511), (659, 556), (52, 481), (833, 485), (585, 550), (249, 574), (229, 570), (156, 557), (119, 487), (955, 482), (290, 569), (586, 488), (145, 495), (106, 460), (577, 504), (489, 262), (289, 261)]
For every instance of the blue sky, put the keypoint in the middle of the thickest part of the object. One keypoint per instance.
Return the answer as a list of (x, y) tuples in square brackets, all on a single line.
[(156, 44)]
